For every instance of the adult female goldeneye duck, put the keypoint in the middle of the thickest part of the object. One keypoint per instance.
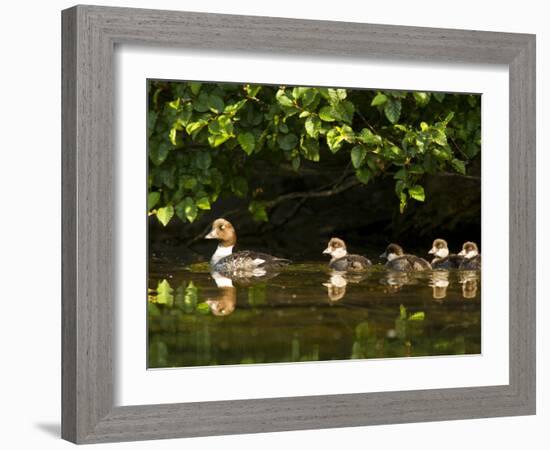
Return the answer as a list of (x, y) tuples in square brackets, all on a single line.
[(472, 258), (245, 263), (341, 260), (399, 261), (442, 259)]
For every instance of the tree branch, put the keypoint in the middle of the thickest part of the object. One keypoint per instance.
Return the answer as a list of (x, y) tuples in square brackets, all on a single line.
[(351, 182)]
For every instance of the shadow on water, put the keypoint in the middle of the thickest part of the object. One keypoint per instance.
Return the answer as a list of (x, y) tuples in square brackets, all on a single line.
[(308, 313)]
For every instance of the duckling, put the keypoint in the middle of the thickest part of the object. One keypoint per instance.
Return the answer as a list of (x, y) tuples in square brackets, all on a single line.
[(442, 259), (246, 262), (342, 261), (472, 258), (399, 261)]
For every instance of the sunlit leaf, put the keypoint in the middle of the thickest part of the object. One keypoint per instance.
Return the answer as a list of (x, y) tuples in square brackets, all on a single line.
[(417, 316), (459, 166), (165, 214), (379, 99), (417, 192), (247, 142)]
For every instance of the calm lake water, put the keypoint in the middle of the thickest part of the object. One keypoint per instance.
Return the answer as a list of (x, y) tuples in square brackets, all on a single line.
[(308, 313)]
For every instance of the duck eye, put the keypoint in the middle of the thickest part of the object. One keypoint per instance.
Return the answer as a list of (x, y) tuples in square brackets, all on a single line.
[(222, 227)]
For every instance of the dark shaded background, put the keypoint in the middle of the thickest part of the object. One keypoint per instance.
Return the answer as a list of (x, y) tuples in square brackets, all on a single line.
[(366, 216)]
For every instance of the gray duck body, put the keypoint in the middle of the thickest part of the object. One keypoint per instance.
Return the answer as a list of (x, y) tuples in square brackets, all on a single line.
[(350, 263), (408, 263), (449, 262), (247, 261)]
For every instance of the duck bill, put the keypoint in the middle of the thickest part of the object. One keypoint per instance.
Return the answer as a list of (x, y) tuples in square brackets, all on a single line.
[(211, 235), (326, 251), (462, 253), (432, 251), (383, 255)]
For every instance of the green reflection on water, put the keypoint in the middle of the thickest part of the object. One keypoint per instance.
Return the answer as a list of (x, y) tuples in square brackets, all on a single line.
[(307, 313)]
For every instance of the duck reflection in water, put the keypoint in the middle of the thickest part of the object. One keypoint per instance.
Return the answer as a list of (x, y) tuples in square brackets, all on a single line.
[(395, 280), (468, 280), (338, 281), (226, 300), (439, 283)]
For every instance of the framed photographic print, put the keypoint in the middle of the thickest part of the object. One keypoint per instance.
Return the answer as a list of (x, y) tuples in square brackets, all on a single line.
[(265, 230)]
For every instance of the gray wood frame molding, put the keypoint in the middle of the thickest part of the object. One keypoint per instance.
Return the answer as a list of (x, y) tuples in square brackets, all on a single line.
[(89, 37)]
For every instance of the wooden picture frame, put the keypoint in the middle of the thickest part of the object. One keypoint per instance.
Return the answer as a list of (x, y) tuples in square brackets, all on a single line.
[(90, 34)]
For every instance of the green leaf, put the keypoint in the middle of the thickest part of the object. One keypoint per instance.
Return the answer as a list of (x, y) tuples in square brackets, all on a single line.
[(368, 137), (402, 312), (449, 117), (417, 192), (203, 308), (215, 140), (438, 96), (159, 153), (336, 95), (239, 186), (195, 87), (334, 140), (175, 104), (152, 199), (247, 142), (358, 154), (203, 159), (188, 182), (363, 175), (287, 141), (203, 203), (252, 89), (234, 107), (172, 136), (310, 148), (459, 166), (184, 116), (193, 128), (401, 174), (326, 114), (417, 316), (258, 211), (165, 293), (295, 163), (343, 111), (379, 99), (215, 103), (201, 103), (165, 214), (283, 98), (392, 109), (313, 126), (187, 210), (421, 98), (402, 201)]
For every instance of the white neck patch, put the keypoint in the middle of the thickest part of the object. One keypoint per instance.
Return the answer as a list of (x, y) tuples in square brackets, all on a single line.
[(221, 252), (471, 254), (221, 281), (442, 253), (339, 253), (391, 256)]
